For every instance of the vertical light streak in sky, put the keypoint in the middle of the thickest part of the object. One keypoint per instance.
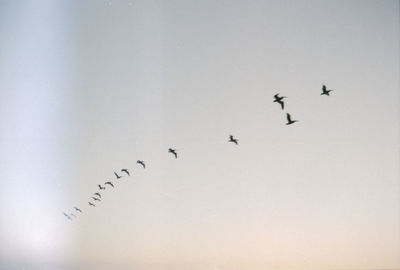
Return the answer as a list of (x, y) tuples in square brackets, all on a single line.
[(34, 122)]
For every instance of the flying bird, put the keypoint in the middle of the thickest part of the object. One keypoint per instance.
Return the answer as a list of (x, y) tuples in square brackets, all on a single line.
[(109, 183), (67, 216), (96, 199), (279, 100), (91, 204), (141, 162), (289, 119), (125, 171), (98, 194), (77, 209), (100, 187), (325, 91), (173, 151), (116, 175), (72, 215), (231, 139)]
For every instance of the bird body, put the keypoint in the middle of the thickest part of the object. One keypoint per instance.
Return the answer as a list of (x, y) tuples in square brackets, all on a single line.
[(100, 187), (173, 151), (67, 216), (325, 91), (98, 194), (279, 100), (289, 119), (141, 162), (231, 139), (109, 183), (116, 175), (77, 209), (96, 199), (91, 204)]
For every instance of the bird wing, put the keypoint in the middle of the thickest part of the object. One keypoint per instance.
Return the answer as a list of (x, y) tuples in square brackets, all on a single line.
[(282, 104), (288, 117)]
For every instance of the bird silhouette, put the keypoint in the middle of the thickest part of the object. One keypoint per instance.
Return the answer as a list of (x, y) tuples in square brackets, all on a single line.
[(231, 139), (98, 194), (91, 204), (109, 183), (116, 175), (125, 171), (289, 119), (325, 91), (67, 216), (96, 199), (279, 100), (77, 209), (141, 162), (173, 151), (100, 187)]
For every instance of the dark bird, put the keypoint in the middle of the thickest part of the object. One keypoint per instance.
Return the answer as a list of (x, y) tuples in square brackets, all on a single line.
[(279, 100), (67, 216), (125, 171), (98, 194), (109, 183), (289, 119), (77, 209), (100, 187), (116, 175), (96, 199), (173, 151), (231, 139), (141, 162), (91, 204), (325, 91)]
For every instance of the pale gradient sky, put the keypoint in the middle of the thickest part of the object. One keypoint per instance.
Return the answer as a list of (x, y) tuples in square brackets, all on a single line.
[(89, 87)]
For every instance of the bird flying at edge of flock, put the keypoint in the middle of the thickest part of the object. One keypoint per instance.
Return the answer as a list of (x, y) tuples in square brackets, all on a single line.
[(173, 151), (231, 139)]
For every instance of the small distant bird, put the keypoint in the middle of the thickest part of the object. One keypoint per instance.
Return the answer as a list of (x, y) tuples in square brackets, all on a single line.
[(91, 204), (125, 171), (98, 194), (141, 162), (116, 175), (100, 187), (77, 209), (279, 100), (289, 119), (325, 91), (109, 183), (96, 199), (72, 215), (173, 151), (231, 139), (67, 216)]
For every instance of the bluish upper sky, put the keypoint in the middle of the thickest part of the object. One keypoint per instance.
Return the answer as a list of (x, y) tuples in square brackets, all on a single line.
[(88, 88)]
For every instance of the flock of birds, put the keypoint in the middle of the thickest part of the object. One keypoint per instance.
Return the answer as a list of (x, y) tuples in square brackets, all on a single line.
[(96, 197)]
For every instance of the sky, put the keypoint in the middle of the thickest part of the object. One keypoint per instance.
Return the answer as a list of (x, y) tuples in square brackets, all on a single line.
[(90, 87)]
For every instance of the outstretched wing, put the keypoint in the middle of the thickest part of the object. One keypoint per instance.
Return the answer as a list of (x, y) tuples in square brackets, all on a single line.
[(282, 104), (288, 117)]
